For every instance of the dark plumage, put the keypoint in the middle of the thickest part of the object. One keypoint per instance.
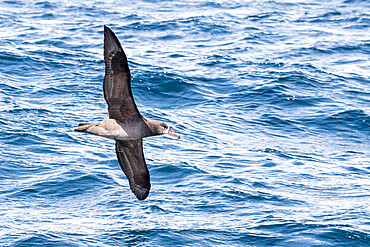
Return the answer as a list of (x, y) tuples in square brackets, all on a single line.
[(125, 124)]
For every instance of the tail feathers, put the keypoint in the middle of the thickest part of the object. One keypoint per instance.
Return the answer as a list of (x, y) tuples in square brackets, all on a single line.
[(82, 127)]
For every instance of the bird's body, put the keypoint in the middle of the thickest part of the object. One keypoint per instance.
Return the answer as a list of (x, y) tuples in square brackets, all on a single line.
[(125, 124), (125, 129)]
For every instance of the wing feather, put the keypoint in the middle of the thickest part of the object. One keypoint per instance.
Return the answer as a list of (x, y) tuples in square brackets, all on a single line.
[(116, 85), (131, 159)]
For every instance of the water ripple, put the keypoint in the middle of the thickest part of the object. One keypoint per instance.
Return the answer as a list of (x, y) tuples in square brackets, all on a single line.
[(271, 99)]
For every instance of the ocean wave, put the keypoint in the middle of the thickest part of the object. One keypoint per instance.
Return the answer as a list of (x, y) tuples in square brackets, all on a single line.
[(270, 98)]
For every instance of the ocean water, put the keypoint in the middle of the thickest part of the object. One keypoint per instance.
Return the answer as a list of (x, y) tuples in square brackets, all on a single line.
[(272, 99)]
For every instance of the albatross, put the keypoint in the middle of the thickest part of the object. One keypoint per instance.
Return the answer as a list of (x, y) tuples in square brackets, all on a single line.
[(125, 124)]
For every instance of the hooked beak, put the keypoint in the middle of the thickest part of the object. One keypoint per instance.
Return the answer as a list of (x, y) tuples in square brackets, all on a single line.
[(172, 133)]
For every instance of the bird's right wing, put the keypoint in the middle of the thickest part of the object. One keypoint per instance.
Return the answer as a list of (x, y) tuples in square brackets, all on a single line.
[(116, 85), (131, 159)]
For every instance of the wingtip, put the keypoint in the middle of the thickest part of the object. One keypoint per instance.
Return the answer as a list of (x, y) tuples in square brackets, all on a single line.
[(111, 41), (106, 28), (107, 31), (140, 193)]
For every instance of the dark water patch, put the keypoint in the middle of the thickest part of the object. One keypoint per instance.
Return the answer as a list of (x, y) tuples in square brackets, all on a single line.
[(269, 164), (25, 138), (207, 207), (195, 25), (315, 233), (51, 90), (355, 1), (310, 50), (360, 48), (351, 120), (262, 16), (357, 170), (155, 209), (248, 96), (60, 42), (301, 101), (57, 59), (169, 37), (222, 164), (194, 237), (210, 4), (261, 185), (154, 26), (11, 58), (220, 61), (298, 78), (45, 16), (65, 186), (177, 55), (175, 174), (276, 122), (259, 197), (26, 113), (298, 163), (172, 87), (286, 155), (238, 181), (339, 236), (44, 239), (133, 17), (129, 237), (46, 5), (14, 3), (284, 227), (17, 64), (358, 94), (7, 89), (332, 16)]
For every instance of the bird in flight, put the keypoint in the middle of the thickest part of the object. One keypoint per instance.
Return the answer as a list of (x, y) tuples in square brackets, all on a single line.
[(125, 124)]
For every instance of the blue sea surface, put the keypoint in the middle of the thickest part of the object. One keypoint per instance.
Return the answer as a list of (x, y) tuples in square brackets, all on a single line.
[(272, 99)]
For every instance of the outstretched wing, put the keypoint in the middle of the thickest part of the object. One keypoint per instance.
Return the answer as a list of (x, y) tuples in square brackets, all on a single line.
[(116, 85), (131, 158)]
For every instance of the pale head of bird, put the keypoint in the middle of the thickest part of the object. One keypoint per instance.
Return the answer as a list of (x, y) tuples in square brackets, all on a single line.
[(160, 128)]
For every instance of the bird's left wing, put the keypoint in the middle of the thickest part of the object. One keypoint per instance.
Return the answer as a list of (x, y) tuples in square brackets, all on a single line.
[(131, 159), (116, 86)]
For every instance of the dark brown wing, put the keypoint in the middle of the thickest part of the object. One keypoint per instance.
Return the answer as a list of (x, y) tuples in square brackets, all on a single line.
[(131, 158), (116, 86)]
